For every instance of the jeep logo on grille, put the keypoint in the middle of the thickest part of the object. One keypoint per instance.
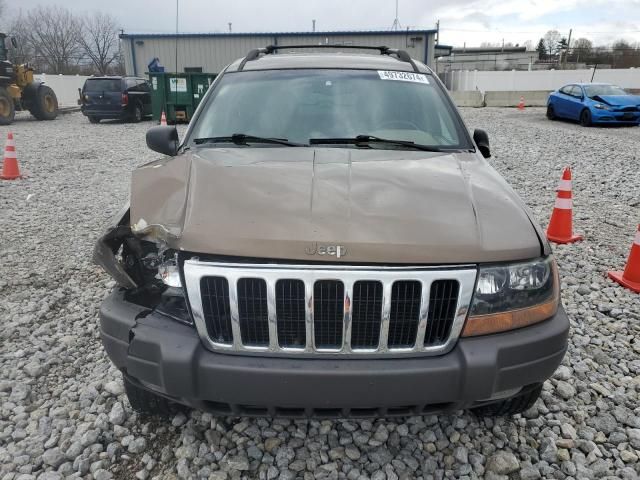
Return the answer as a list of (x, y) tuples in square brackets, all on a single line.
[(334, 250)]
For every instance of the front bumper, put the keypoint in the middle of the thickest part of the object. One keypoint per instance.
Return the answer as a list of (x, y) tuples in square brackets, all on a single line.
[(608, 116), (168, 358)]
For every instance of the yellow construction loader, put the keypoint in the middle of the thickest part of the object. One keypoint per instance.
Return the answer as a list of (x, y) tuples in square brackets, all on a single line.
[(19, 91)]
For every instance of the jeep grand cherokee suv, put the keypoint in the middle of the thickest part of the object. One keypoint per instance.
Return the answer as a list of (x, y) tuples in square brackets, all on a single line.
[(328, 240)]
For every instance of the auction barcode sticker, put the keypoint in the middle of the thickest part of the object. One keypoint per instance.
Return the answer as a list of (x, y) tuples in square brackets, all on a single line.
[(403, 76)]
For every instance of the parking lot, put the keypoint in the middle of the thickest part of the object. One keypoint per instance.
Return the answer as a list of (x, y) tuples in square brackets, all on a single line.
[(62, 406)]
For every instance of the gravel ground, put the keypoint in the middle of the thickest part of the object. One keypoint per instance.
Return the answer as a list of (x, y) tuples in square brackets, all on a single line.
[(62, 408)]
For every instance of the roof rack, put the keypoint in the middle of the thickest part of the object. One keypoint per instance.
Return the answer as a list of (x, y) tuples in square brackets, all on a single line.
[(402, 55)]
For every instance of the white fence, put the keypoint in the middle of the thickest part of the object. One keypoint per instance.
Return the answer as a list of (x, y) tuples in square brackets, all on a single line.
[(464, 80), (65, 86)]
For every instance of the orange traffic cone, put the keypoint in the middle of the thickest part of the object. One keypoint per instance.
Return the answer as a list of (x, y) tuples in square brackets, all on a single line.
[(521, 104), (560, 229), (630, 278), (10, 169), (163, 118)]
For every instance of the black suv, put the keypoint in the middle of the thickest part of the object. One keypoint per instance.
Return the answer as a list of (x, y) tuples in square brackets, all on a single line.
[(124, 98)]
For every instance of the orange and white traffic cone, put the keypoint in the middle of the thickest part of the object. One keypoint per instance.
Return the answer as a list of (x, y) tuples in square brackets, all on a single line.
[(521, 103), (163, 118), (10, 169), (630, 278), (560, 229)]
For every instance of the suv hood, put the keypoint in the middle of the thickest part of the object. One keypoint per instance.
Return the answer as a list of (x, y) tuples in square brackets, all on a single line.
[(381, 206)]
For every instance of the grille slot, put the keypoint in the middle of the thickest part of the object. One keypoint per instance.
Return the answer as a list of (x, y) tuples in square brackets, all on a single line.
[(443, 299), (366, 314), (328, 313), (290, 311), (405, 312), (306, 310), (252, 312), (216, 310)]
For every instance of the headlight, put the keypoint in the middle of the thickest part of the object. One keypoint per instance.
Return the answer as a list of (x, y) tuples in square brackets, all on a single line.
[(513, 296), (600, 106), (172, 301)]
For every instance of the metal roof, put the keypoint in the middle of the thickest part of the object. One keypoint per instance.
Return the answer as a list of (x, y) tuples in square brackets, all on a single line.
[(278, 34)]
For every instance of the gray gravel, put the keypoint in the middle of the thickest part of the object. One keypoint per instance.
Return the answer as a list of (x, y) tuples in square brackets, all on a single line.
[(62, 408)]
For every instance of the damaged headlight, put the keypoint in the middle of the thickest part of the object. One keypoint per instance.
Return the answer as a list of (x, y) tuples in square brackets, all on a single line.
[(172, 300), (513, 296), (144, 267), (601, 106)]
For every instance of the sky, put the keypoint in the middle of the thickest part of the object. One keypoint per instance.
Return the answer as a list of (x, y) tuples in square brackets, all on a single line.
[(462, 22)]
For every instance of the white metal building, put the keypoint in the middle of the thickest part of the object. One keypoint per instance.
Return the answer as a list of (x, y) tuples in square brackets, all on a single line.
[(211, 52), (506, 58)]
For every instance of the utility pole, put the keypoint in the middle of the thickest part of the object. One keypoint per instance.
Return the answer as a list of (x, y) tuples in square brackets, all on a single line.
[(396, 22), (229, 27), (568, 47), (313, 27)]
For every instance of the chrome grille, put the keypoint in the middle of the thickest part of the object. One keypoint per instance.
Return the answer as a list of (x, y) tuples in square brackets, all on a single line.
[(366, 315), (328, 309), (405, 312), (252, 311), (290, 313)]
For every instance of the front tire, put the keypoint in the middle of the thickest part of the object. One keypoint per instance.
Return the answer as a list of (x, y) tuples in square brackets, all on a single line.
[(585, 118), (510, 406), (551, 114), (145, 402), (45, 104), (7, 108)]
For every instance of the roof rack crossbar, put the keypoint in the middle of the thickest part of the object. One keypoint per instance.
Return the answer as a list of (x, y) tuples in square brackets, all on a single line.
[(402, 55)]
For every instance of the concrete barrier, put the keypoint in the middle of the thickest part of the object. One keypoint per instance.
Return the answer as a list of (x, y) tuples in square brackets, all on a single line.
[(532, 98), (472, 98)]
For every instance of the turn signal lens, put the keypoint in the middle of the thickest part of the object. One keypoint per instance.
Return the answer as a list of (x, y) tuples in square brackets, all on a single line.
[(513, 296)]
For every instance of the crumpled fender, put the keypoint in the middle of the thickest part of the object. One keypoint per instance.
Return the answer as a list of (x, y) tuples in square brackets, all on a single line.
[(107, 246)]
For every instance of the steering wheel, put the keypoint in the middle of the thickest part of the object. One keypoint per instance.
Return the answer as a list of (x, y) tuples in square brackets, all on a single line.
[(399, 124)]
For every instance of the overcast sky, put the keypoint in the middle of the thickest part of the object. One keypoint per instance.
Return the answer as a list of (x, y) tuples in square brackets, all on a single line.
[(461, 21)]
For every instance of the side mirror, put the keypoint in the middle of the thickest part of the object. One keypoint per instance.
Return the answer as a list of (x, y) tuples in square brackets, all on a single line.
[(163, 139), (14, 42), (482, 141)]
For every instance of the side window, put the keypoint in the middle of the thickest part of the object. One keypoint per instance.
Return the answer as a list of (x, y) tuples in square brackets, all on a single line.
[(577, 91), (566, 89)]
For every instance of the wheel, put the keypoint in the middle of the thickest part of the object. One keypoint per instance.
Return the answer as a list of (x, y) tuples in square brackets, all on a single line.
[(94, 119), (146, 402), (7, 108), (45, 104), (510, 406), (585, 118), (137, 113), (551, 114)]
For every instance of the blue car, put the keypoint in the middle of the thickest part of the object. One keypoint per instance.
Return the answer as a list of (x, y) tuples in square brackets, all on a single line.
[(594, 103)]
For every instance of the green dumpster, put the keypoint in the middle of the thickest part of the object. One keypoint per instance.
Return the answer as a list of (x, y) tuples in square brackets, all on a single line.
[(178, 95)]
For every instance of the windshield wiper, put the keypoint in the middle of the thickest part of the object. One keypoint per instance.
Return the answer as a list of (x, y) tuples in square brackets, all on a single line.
[(243, 139), (368, 139)]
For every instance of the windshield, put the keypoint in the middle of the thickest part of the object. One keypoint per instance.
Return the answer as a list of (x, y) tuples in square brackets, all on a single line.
[(596, 90), (103, 85), (300, 105)]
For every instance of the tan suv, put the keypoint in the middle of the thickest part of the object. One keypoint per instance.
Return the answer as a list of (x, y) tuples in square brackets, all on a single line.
[(328, 240)]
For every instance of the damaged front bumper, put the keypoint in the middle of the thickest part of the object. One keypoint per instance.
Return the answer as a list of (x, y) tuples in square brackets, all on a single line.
[(168, 358)]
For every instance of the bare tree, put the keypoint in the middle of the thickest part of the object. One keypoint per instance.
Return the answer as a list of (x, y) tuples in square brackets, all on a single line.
[(99, 40), (53, 34), (552, 40)]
